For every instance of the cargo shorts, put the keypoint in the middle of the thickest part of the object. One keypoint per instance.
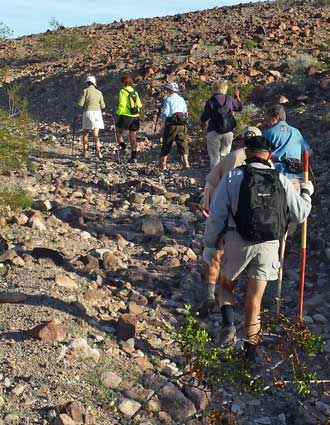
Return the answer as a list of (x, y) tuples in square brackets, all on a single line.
[(259, 260), (178, 134)]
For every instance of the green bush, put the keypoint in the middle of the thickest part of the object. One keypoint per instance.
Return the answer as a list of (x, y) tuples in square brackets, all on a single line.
[(14, 199), (250, 43), (67, 43), (197, 96), (298, 65)]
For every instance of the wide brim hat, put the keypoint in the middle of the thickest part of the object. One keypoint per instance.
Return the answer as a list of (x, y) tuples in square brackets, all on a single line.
[(90, 79), (258, 143)]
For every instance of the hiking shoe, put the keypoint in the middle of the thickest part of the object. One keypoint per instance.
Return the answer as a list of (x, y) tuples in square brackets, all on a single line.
[(122, 146), (186, 165), (133, 160), (99, 155), (86, 154), (227, 335), (250, 352), (205, 308), (162, 166)]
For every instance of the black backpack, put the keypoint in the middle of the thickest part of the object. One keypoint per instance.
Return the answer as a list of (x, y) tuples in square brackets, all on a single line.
[(179, 118), (132, 101), (262, 211), (223, 117)]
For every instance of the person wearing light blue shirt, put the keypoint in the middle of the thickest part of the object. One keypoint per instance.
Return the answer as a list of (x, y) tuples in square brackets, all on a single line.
[(287, 140), (175, 115)]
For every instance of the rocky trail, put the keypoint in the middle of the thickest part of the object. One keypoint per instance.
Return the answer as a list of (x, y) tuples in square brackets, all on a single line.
[(107, 255)]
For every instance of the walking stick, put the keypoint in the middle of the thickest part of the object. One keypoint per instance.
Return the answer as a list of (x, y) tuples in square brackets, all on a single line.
[(280, 276), (157, 119), (73, 133), (116, 139), (303, 245)]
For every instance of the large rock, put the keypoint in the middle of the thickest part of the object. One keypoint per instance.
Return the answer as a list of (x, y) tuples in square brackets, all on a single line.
[(152, 226), (8, 256), (201, 398), (112, 262), (110, 380), (64, 419), (37, 222), (175, 403), (50, 332), (127, 326), (65, 281)]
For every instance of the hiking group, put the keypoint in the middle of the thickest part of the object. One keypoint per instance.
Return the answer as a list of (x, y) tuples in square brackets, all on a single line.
[(254, 194)]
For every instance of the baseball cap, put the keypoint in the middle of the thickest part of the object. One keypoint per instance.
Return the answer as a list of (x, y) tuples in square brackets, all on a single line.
[(172, 86), (258, 143)]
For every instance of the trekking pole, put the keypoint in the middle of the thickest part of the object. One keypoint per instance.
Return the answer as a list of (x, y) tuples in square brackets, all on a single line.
[(157, 119), (73, 133), (116, 139), (280, 276), (303, 245)]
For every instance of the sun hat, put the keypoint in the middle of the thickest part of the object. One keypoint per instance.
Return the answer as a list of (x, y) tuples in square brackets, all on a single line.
[(258, 143), (91, 79), (251, 131), (172, 87)]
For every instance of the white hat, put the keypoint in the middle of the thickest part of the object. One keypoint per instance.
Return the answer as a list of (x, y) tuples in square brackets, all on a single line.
[(172, 87), (251, 132), (91, 79)]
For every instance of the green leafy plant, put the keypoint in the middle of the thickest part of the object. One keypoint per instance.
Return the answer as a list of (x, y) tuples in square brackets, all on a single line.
[(14, 199), (250, 44)]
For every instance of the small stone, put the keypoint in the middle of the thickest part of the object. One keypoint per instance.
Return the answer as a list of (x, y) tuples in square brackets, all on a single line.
[(143, 363), (85, 236), (170, 370), (110, 380), (65, 281), (129, 407), (135, 309), (200, 397), (49, 332), (165, 418), (138, 299), (320, 319), (127, 326), (263, 421), (155, 200), (112, 262), (323, 408), (152, 226), (74, 411), (42, 206), (81, 349), (136, 198), (153, 405), (174, 402), (8, 256), (18, 262), (37, 222), (19, 219), (19, 390), (11, 417)]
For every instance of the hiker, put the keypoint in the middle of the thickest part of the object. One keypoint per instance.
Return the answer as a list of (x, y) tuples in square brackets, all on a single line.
[(175, 114), (128, 113), (92, 103), (251, 208), (288, 144), (234, 159), (218, 111)]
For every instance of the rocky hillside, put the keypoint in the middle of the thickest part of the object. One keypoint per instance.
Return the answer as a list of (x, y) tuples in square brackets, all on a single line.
[(248, 44), (92, 276)]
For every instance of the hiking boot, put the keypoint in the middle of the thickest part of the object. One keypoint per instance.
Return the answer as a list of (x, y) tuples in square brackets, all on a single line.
[(86, 154), (206, 307), (99, 155), (163, 166), (186, 165), (227, 335), (250, 352), (122, 146), (133, 159)]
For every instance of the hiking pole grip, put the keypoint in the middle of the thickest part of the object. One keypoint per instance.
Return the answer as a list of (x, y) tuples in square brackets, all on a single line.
[(303, 245)]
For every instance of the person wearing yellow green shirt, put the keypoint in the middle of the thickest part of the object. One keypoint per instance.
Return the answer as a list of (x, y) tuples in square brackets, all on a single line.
[(128, 114)]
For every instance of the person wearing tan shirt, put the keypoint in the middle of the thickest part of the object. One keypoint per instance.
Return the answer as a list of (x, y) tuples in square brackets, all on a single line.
[(234, 159)]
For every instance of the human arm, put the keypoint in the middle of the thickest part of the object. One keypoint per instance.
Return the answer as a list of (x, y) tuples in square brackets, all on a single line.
[(165, 113), (81, 101), (206, 115), (299, 204), (219, 213), (102, 103), (122, 103), (236, 101)]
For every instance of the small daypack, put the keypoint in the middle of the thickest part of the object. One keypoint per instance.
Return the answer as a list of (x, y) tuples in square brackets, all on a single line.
[(262, 211), (223, 117), (132, 101), (179, 118)]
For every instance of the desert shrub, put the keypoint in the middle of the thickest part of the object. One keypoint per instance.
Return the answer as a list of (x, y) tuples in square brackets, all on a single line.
[(324, 2), (14, 199), (5, 31), (298, 65), (63, 42), (250, 43), (15, 133), (197, 96)]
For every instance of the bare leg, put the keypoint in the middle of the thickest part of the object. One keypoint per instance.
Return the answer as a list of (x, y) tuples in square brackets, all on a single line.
[(132, 138), (120, 137), (255, 292), (185, 161), (85, 140), (163, 162), (97, 141)]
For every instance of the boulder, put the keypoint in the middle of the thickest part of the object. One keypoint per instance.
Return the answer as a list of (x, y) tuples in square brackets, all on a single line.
[(152, 226), (49, 332), (127, 326), (175, 403)]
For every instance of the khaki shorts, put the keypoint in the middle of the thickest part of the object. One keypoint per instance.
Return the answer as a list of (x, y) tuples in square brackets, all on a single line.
[(260, 260)]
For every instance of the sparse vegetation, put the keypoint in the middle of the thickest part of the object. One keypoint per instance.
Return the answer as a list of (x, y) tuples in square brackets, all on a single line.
[(63, 42), (324, 2), (250, 44), (5, 31), (298, 65), (14, 199)]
